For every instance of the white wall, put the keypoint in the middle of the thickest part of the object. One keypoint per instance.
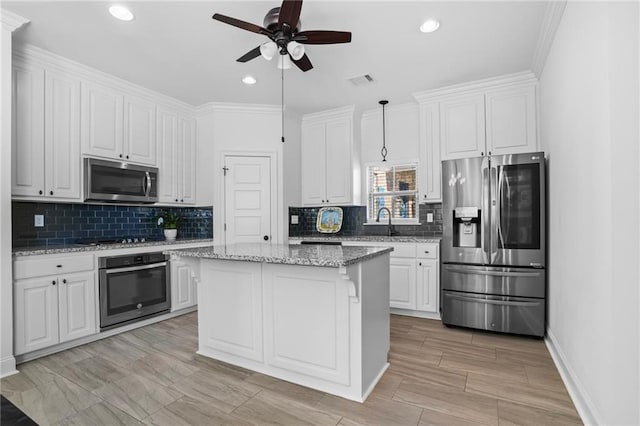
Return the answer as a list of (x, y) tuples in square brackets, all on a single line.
[(589, 130), (292, 173)]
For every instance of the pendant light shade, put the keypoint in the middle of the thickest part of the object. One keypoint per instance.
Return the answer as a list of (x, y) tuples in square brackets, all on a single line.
[(296, 50), (284, 63), (384, 150), (268, 50)]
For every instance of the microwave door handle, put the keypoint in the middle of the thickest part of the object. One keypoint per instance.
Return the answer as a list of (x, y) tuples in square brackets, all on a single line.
[(147, 178)]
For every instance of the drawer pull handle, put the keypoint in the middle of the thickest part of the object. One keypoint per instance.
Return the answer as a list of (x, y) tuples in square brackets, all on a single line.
[(426, 251), (58, 266)]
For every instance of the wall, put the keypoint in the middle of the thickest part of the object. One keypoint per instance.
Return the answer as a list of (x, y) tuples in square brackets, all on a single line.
[(70, 223), (589, 130), (291, 155)]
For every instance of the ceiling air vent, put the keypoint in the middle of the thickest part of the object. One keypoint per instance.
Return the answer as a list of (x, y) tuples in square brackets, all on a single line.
[(361, 80)]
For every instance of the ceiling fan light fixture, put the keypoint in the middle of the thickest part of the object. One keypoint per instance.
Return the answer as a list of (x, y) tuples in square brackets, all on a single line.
[(430, 25), (121, 13), (268, 50), (284, 63), (296, 50)]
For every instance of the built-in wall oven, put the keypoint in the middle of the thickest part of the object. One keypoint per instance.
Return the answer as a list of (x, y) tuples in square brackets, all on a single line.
[(133, 287)]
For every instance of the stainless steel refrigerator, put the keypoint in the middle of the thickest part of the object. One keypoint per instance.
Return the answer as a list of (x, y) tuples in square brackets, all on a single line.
[(493, 246)]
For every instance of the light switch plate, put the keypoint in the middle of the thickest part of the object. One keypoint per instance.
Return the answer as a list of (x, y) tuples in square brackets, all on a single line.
[(294, 219), (429, 217), (38, 220)]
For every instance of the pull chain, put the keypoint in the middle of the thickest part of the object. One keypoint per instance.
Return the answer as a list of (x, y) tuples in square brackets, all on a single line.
[(282, 102)]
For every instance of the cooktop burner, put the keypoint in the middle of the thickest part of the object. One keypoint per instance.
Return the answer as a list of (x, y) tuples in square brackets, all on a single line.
[(116, 240)]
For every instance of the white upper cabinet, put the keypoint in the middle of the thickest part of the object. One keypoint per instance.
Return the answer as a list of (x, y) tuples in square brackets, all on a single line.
[(511, 120), (46, 133), (176, 157), (429, 170), (327, 158), (117, 126), (462, 127)]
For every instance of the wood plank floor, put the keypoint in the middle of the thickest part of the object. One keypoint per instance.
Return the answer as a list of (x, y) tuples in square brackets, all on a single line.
[(438, 376)]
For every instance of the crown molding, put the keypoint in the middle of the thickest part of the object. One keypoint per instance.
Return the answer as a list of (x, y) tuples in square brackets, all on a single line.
[(11, 21), (550, 22), (478, 86), (48, 60), (410, 106), (330, 113), (213, 107)]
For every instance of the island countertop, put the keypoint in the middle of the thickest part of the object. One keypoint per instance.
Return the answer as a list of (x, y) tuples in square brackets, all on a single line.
[(308, 255)]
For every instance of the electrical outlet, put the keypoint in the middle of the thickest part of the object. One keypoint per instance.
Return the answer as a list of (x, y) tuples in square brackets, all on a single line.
[(429, 217), (38, 220), (294, 219)]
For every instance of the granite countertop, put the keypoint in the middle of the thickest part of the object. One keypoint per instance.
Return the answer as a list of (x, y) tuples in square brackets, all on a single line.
[(371, 238), (77, 248), (311, 255)]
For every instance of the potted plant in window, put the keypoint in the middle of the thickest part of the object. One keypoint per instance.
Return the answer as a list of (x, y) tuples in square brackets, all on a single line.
[(169, 221)]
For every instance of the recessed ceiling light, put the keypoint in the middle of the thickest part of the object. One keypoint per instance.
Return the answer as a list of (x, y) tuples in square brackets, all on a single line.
[(429, 26), (249, 80), (121, 13)]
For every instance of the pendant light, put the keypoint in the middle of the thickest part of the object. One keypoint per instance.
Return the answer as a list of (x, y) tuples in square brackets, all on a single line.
[(383, 151)]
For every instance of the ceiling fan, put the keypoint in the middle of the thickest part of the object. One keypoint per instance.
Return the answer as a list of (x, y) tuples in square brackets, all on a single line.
[(282, 27)]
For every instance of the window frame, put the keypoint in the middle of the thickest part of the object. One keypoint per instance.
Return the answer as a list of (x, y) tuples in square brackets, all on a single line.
[(410, 163)]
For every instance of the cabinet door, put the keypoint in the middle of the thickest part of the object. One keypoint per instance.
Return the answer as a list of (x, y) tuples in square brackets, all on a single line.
[(101, 118), (77, 305), (187, 161), (430, 166), (27, 173), (140, 130), (182, 286), (167, 156), (511, 120), (62, 136), (313, 164), (338, 162), (35, 314), (427, 286), (462, 127), (402, 285)]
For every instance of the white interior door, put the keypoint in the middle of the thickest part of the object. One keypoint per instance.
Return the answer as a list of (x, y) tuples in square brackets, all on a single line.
[(247, 199)]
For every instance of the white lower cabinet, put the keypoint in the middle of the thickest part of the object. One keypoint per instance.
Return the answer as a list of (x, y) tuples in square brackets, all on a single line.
[(427, 288), (53, 308), (183, 285), (402, 284)]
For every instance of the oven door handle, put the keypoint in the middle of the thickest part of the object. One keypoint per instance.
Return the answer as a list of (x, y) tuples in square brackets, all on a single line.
[(491, 301), (134, 268)]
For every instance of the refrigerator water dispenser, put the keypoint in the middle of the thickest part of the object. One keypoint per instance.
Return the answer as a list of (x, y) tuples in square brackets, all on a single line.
[(467, 231)]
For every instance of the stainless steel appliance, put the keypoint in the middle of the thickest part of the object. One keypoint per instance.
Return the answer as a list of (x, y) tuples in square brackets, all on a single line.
[(493, 247), (133, 287), (114, 181)]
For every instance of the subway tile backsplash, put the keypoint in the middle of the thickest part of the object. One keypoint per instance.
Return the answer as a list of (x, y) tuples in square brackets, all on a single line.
[(355, 217), (68, 223)]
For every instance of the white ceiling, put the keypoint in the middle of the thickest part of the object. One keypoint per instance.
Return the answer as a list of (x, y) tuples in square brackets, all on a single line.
[(175, 48)]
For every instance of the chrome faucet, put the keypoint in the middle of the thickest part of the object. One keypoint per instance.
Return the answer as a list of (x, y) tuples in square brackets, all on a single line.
[(390, 227)]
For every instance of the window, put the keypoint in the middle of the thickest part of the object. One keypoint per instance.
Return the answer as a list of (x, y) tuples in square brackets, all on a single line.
[(394, 187)]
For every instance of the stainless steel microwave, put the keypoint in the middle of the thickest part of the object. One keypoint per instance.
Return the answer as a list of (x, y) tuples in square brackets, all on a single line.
[(114, 181)]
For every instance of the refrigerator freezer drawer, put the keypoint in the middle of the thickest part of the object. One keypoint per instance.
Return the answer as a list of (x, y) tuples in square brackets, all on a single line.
[(495, 313), (502, 281)]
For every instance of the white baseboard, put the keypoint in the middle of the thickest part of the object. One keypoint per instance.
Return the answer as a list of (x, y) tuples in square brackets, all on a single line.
[(7, 366), (580, 398)]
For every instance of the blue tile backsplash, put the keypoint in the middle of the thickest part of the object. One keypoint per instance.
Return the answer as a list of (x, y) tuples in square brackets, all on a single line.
[(354, 218), (68, 223)]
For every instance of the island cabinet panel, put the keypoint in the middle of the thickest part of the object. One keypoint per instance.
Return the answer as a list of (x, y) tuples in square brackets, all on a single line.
[(307, 320), (232, 322)]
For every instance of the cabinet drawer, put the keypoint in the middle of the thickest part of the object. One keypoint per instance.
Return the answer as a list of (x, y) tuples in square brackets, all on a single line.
[(39, 266), (404, 250), (427, 251)]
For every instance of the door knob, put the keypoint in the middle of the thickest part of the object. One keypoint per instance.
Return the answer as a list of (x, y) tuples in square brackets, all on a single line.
[(266, 238)]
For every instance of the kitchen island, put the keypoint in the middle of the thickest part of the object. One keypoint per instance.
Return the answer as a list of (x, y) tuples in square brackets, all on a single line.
[(315, 315)]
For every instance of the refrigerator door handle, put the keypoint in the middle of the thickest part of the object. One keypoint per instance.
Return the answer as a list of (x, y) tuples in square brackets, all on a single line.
[(491, 302), (486, 215), (495, 215)]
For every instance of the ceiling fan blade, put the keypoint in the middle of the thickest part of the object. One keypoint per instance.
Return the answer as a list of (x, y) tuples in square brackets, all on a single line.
[(242, 24), (322, 37), (303, 63), (252, 54), (290, 13)]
